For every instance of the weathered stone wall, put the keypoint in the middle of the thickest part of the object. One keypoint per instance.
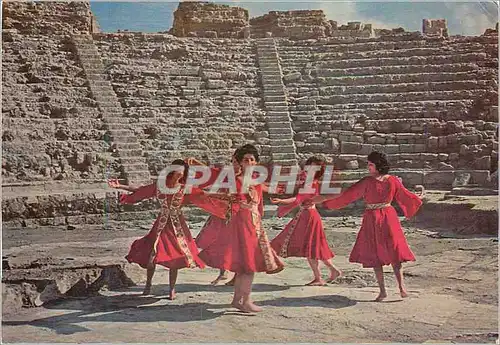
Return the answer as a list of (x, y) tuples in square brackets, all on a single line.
[(291, 24), (435, 27), (47, 17), (186, 96), (428, 103), (202, 19), (352, 29), (51, 128)]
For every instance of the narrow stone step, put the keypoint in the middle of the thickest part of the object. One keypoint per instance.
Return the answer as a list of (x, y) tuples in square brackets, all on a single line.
[(268, 59), (91, 64), (123, 125), (283, 149), (106, 99), (137, 166), (275, 93), (262, 51), (101, 83), (130, 153), (281, 142), (128, 146), (285, 155), (274, 81), (276, 103), (278, 119), (279, 131), (274, 98), (281, 136), (94, 60), (277, 87), (126, 160), (269, 65), (117, 135), (266, 77), (277, 107), (105, 94), (280, 124), (110, 105), (84, 54), (112, 119), (275, 84), (270, 68), (274, 74), (94, 70), (285, 162), (95, 76), (125, 140)]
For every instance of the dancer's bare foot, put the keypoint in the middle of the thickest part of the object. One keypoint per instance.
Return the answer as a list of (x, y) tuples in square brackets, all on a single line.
[(381, 297), (238, 305), (248, 307), (218, 279), (171, 295), (316, 282), (147, 290), (334, 275), (252, 307), (231, 282), (403, 293)]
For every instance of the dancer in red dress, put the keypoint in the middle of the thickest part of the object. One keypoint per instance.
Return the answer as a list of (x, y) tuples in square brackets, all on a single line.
[(214, 224), (169, 243), (304, 236), (243, 247), (381, 240)]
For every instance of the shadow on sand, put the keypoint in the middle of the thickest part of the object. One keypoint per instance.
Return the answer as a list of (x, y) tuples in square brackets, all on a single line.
[(163, 289), (135, 308)]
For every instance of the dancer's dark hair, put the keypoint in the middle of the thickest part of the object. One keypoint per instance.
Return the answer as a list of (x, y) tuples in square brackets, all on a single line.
[(247, 149), (186, 169), (380, 161), (319, 161)]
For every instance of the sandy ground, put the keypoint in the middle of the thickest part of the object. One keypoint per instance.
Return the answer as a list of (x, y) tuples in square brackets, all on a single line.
[(453, 295)]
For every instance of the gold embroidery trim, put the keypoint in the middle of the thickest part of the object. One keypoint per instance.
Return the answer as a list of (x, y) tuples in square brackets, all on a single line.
[(293, 224), (377, 206), (273, 264)]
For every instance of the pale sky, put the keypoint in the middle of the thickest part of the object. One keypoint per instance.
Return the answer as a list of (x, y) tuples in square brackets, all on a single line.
[(464, 18)]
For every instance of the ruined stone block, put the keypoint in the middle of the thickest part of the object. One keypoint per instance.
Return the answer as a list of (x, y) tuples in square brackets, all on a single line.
[(406, 148), (461, 180), (348, 147), (435, 27), (483, 163), (439, 178), (375, 140)]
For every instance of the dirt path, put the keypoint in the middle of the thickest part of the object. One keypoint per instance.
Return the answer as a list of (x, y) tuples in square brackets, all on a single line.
[(453, 296)]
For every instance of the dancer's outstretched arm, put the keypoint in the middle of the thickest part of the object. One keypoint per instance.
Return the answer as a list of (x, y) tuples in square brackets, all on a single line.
[(283, 201), (114, 183), (351, 194)]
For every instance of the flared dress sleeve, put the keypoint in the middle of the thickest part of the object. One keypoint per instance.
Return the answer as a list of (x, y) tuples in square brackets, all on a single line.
[(407, 201), (142, 193), (351, 194), (214, 173), (203, 200)]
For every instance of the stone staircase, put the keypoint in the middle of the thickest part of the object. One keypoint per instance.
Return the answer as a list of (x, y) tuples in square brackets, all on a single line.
[(278, 120), (134, 167)]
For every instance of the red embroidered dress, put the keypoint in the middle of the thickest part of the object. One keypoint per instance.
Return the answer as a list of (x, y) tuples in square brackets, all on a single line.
[(303, 236), (169, 243), (380, 240), (242, 246)]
